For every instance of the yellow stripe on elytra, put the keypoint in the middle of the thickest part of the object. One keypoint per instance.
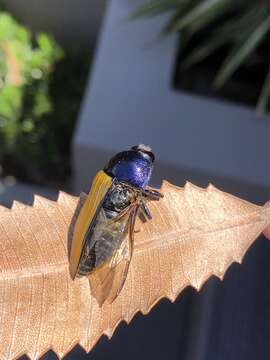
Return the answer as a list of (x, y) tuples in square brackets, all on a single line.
[(99, 188)]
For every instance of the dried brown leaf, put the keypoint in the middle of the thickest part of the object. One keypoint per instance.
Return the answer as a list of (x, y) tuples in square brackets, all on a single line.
[(195, 233)]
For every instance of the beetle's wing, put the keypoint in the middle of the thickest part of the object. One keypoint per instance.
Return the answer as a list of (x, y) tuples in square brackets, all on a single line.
[(100, 186), (107, 281)]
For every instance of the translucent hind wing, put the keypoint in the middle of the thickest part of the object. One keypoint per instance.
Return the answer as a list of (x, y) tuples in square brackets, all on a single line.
[(107, 281)]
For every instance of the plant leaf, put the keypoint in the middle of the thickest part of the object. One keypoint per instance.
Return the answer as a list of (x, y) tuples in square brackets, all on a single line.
[(232, 31), (200, 15), (154, 7), (195, 233), (265, 94), (240, 52)]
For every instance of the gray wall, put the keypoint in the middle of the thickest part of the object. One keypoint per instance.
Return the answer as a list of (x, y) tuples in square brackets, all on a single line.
[(130, 100), (72, 22)]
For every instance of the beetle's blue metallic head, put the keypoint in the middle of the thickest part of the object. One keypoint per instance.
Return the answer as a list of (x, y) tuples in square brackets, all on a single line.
[(133, 166)]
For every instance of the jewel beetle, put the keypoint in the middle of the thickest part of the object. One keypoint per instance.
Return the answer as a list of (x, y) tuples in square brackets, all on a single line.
[(103, 236)]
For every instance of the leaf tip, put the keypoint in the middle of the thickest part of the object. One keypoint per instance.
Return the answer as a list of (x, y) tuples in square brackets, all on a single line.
[(63, 196), (17, 205)]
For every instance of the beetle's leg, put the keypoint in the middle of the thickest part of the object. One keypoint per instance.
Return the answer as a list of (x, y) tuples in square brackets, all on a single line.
[(132, 221), (145, 210), (152, 194), (122, 213)]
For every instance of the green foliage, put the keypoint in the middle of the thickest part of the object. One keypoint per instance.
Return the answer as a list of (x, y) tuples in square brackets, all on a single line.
[(241, 25), (39, 101)]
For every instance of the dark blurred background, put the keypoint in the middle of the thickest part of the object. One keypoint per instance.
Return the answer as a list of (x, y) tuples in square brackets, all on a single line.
[(80, 81)]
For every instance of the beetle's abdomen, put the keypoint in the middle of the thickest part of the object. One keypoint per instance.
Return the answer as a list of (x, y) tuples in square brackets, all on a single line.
[(108, 231), (102, 183), (105, 238)]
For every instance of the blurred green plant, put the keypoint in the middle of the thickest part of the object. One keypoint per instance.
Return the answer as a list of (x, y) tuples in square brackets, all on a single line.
[(241, 25), (39, 101)]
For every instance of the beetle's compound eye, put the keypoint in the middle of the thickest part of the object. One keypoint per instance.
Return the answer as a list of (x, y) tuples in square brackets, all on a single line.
[(145, 149), (142, 147)]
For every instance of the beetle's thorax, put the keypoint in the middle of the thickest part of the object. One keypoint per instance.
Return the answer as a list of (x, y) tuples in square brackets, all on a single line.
[(133, 167), (120, 197)]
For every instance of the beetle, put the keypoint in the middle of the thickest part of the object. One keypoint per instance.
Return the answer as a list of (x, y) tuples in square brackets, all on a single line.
[(103, 236)]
